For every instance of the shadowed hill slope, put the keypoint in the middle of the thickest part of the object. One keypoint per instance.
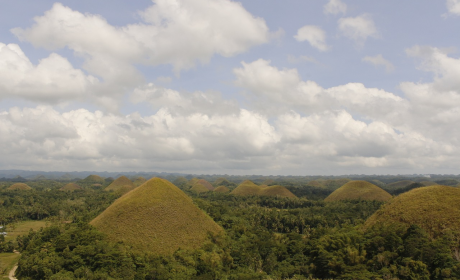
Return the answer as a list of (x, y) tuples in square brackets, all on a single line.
[(248, 188), (139, 181), (70, 187), (358, 190), (199, 188), (19, 186), (399, 184), (434, 208), (156, 217), (121, 184)]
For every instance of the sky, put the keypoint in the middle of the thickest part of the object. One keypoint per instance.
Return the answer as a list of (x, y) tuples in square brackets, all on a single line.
[(296, 87)]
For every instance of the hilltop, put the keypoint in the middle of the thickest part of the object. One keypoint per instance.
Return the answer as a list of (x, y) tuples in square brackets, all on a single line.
[(139, 181), (19, 186), (156, 217), (358, 190), (399, 184), (248, 188), (121, 184), (433, 208), (94, 179), (70, 187)]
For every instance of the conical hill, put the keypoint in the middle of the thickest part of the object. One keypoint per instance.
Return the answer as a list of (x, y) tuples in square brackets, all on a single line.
[(121, 184), (19, 186), (139, 181), (156, 217), (94, 179), (359, 190), (434, 208), (70, 187), (221, 189), (199, 188), (248, 188), (399, 184)]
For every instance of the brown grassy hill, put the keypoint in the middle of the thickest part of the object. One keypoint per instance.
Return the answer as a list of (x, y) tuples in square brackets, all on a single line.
[(156, 217), (139, 181), (277, 191), (248, 188), (222, 189), (94, 179), (121, 184), (70, 187), (359, 190), (19, 186), (399, 184), (334, 184), (222, 182), (434, 208), (199, 188)]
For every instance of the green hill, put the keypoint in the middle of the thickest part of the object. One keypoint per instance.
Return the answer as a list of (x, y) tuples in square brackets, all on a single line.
[(428, 183), (94, 179), (156, 217), (248, 188), (121, 184), (199, 188), (434, 208), (222, 189), (139, 181), (358, 190), (19, 186), (70, 187)]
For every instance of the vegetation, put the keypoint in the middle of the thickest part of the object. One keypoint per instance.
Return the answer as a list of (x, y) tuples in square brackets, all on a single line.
[(139, 181), (19, 186), (359, 190), (398, 184), (94, 179), (7, 261), (248, 188), (156, 217), (221, 189)]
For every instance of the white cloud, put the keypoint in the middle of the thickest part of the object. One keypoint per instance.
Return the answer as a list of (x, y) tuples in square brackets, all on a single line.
[(53, 80), (358, 28), (174, 32), (314, 35), (453, 6), (335, 7), (378, 60)]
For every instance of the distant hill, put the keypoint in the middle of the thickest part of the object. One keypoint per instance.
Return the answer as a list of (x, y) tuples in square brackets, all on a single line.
[(156, 217), (248, 188), (221, 189), (428, 183), (434, 208), (358, 190), (139, 181), (70, 187), (199, 188), (121, 184), (398, 184), (330, 184), (94, 179), (19, 186)]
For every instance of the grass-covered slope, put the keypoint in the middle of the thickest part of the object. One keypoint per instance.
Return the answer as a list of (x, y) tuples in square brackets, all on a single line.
[(121, 184), (248, 188), (139, 181), (399, 184), (359, 190), (70, 187), (156, 217), (199, 188), (19, 186), (434, 208)]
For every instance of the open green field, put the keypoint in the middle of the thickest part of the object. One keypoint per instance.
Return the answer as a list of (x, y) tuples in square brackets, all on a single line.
[(7, 261), (22, 228)]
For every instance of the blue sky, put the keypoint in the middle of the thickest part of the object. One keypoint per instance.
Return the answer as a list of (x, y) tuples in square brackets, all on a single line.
[(216, 86)]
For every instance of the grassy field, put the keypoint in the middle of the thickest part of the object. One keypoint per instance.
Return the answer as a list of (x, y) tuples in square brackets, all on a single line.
[(22, 228), (7, 261)]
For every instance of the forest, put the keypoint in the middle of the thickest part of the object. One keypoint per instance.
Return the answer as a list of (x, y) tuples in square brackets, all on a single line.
[(264, 237)]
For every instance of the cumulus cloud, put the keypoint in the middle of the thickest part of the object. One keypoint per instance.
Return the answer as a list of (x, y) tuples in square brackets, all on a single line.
[(358, 28), (378, 60), (453, 6), (335, 7), (52, 80), (313, 35), (175, 32)]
